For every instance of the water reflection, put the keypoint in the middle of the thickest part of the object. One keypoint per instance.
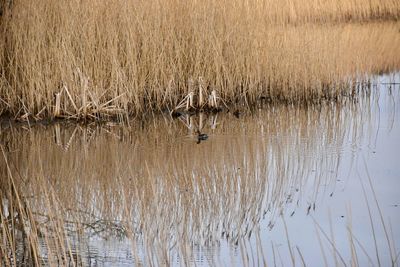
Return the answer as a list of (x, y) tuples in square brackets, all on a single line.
[(156, 193)]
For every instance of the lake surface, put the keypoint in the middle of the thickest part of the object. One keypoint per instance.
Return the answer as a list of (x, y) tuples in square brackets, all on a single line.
[(276, 186)]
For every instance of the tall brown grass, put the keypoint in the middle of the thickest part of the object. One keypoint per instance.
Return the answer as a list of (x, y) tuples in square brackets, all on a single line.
[(85, 58)]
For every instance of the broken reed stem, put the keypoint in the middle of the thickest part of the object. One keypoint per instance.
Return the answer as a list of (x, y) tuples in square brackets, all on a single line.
[(190, 101), (214, 102), (57, 110)]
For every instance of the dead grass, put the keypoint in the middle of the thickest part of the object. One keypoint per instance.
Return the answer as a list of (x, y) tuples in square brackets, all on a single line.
[(80, 59)]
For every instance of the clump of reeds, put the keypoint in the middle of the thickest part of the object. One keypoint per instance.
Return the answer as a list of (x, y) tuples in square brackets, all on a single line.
[(199, 100), (83, 59)]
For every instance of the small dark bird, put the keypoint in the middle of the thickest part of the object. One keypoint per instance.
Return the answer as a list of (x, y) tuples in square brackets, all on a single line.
[(201, 137), (176, 114)]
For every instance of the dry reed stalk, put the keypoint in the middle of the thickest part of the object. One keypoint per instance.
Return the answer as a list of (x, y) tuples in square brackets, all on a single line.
[(57, 110), (201, 100), (383, 224), (349, 227), (213, 99), (292, 256), (334, 249)]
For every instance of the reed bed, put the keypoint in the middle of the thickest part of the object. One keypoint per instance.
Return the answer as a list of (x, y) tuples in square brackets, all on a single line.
[(167, 195), (80, 59)]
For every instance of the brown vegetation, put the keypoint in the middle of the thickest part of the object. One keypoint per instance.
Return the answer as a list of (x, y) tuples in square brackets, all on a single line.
[(85, 59)]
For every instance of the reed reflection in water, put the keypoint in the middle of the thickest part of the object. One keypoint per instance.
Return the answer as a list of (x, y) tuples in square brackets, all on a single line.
[(71, 192)]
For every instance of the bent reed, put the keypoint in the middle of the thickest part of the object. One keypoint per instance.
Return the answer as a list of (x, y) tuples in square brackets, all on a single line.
[(85, 59)]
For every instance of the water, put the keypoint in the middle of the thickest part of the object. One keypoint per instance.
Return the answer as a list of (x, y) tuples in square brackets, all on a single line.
[(275, 186)]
